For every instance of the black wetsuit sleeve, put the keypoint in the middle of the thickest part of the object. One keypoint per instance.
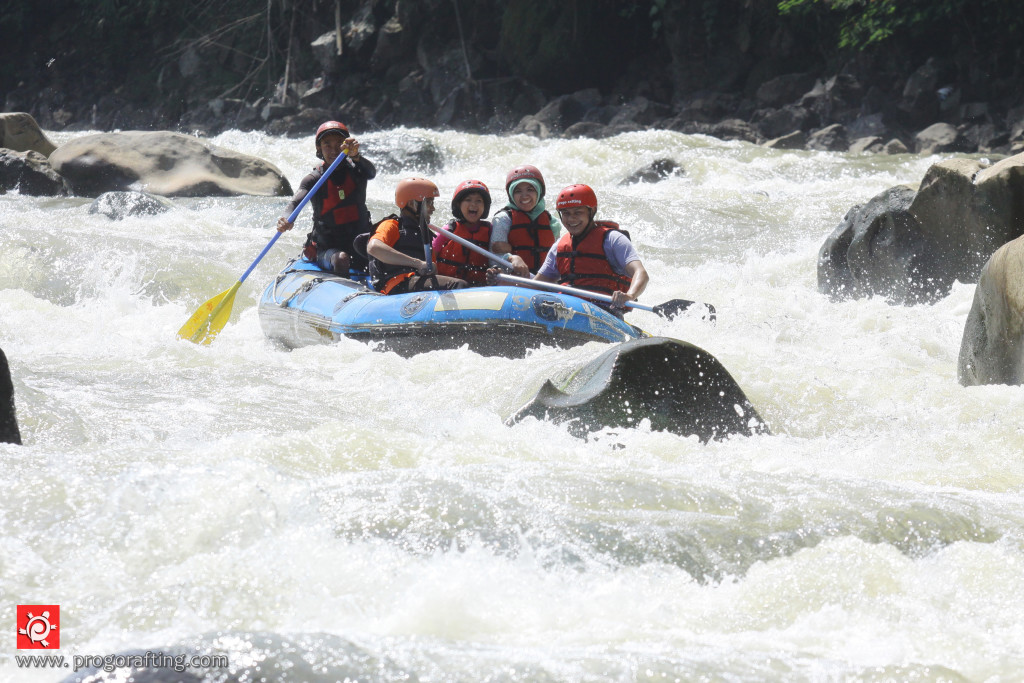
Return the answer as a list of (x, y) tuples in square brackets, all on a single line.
[(304, 187), (365, 167)]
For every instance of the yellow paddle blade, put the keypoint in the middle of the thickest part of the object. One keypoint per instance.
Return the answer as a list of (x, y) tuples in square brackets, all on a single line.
[(210, 319)]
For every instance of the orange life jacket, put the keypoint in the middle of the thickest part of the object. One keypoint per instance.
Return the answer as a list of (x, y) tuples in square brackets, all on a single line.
[(530, 240), (584, 264), (455, 260)]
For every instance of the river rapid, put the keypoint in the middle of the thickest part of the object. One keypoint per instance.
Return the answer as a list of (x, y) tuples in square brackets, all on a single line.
[(341, 513)]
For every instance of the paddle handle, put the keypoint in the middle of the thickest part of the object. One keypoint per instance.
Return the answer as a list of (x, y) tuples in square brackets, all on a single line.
[(294, 214), (474, 247), (582, 293)]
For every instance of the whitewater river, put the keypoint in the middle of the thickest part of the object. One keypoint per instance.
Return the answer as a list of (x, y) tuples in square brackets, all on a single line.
[(340, 513)]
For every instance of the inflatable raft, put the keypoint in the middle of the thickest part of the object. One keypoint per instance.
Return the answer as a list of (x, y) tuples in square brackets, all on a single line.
[(306, 305)]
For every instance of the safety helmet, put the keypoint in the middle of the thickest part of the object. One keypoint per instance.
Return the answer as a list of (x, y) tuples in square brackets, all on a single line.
[(466, 187), (414, 189), (326, 128), (576, 195), (524, 173)]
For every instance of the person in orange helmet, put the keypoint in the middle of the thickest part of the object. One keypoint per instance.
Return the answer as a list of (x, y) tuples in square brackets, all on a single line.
[(339, 206), (399, 244)]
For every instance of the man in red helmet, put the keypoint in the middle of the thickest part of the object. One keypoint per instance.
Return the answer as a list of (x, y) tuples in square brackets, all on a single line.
[(339, 206), (398, 257), (593, 255)]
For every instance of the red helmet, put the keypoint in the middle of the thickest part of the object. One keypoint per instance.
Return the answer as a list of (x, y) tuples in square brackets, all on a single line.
[(521, 173), (414, 189), (329, 127), (467, 187), (577, 195)]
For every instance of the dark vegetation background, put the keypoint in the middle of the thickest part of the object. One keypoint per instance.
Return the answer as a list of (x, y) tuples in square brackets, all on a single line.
[(485, 64)]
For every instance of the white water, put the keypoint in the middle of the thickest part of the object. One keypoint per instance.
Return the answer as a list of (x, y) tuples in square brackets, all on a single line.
[(336, 511)]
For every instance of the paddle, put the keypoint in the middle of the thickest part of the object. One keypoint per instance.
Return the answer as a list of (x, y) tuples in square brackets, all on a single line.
[(428, 242), (212, 316), (666, 310), (473, 247)]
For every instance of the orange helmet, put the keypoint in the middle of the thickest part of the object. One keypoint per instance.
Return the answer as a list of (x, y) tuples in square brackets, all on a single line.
[(576, 195), (329, 127), (466, 187), (521, 173), (417, 189)]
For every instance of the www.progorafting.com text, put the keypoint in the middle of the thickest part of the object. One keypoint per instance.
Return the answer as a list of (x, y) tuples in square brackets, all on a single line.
[(108, 663)]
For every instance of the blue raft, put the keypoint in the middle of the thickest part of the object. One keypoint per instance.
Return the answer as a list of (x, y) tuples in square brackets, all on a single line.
[(306, 305)]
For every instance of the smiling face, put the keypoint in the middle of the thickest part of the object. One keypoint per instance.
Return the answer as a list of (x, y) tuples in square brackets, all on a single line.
[(330, 146), (524, 196), (575, 219), (472, 207)]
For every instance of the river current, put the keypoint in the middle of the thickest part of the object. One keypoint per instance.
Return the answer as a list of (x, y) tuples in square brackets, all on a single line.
[(341, 513)]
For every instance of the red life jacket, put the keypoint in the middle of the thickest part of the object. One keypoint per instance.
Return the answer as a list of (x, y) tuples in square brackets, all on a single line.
[(339, 206), (530, 240), (584, 264), (339, 212), (455, 260)]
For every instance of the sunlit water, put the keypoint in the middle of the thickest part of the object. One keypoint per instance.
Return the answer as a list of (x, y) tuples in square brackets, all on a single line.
[(337, 511)]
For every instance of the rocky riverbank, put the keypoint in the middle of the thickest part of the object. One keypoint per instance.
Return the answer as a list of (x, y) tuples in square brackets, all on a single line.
[(791, 111), (522, 67)]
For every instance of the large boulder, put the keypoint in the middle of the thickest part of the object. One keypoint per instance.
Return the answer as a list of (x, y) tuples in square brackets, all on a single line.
[(677, 386), (910, 247), (164, 163), (992, 350), (20, 132), (939, 138), (8, 418), (30, 174), (784, 89)]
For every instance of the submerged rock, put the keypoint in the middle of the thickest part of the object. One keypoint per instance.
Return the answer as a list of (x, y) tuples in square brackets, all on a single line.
[(8, 418), (656, 171), (119, 205), (403, 153), (679, 387)]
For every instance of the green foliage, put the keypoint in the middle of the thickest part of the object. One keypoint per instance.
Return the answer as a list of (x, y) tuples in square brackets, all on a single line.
[(864, 23), (655, 14)]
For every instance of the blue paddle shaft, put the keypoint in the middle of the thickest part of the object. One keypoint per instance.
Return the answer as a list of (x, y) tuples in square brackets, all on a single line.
[(294, 214)]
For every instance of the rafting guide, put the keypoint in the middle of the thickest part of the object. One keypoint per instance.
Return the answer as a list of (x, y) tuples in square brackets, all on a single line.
[(339, 206)]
